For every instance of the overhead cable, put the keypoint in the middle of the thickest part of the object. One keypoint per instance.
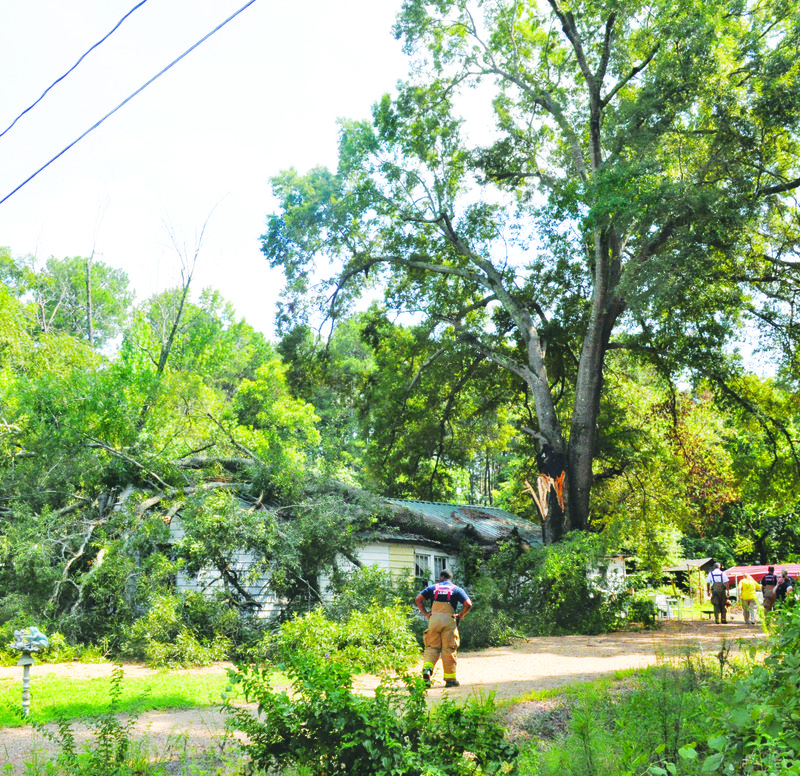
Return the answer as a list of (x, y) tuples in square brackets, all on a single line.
[(58, 80), (127, 100)]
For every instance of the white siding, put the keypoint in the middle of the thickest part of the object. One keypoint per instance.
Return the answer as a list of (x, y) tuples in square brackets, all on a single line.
[(396, 558)]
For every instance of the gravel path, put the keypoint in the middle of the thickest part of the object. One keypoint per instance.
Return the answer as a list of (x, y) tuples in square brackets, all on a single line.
[(509, 672)]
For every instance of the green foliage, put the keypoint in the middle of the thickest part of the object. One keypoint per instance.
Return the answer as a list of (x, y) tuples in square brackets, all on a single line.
[(492, 623), (62, 292), (367, 586), (678, 469), (436, 414), (629, 727), (548, 590), (162, 637), (279, 429), (324, 727), (370, 641), (642, 609), (689, 716), (331, 375)]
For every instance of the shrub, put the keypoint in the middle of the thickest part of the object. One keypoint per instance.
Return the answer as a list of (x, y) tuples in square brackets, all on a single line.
[(642, 609), (161, 638), (549, 590), (321, 726), (364, 588), (187, 650), (376, 639)]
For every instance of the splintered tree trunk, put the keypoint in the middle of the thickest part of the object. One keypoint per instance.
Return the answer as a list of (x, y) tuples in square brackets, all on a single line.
[(572, 459)]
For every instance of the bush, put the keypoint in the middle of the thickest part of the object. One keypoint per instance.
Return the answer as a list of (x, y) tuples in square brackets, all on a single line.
[(364, 588), (548, 590), (374, 640), (321, 726), (162, 638), (186, 651), (642, 609)]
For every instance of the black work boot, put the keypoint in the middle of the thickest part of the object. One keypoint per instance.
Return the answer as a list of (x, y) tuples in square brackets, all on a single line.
[(426, 676), (452, 683)]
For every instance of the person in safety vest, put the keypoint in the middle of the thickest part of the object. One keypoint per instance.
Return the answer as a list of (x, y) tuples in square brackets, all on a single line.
[(717, 587), (441, 637)]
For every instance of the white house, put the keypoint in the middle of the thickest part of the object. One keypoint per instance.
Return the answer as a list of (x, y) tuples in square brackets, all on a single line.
[(423, 541)]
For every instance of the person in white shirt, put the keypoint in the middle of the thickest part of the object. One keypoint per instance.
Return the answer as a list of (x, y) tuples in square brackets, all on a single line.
[(717, 587)]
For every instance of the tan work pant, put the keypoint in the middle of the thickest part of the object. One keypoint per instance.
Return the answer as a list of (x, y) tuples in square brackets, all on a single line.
[(441, 638)]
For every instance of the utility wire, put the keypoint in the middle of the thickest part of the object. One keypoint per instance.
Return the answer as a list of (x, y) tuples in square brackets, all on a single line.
[(128, 99), (58, 80)]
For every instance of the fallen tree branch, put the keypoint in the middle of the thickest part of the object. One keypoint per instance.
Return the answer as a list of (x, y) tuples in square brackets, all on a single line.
[(128, 459), (170, 492)]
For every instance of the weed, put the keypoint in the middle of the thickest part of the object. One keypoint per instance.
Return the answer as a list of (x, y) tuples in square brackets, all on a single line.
[(112, 740)]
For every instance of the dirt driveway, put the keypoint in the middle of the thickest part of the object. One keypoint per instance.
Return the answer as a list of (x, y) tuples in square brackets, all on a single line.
[(509, 672)]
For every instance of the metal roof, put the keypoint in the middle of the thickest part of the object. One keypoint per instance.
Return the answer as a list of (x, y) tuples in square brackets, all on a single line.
[(735, 573), (688, 565), (492, 524)]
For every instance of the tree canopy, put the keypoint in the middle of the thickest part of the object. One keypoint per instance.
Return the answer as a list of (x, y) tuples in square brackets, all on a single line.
[(635, 190)]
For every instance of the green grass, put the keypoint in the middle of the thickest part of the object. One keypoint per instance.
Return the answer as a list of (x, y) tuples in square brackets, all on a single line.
[(54, 696)]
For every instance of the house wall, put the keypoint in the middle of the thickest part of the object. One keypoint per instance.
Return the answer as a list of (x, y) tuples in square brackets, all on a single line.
[(208, 582), (401, 560), (396, 558)]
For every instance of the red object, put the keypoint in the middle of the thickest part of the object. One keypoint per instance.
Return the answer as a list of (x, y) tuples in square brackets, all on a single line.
[(735, 573)]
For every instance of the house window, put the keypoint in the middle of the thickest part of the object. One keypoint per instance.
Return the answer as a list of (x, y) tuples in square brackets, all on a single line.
[(422, 568), (428, 566)]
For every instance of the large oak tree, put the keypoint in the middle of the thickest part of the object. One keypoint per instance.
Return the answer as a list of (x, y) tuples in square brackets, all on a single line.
[(636, 190)]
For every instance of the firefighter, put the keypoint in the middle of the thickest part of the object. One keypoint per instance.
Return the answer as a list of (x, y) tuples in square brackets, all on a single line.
[(441, 638)]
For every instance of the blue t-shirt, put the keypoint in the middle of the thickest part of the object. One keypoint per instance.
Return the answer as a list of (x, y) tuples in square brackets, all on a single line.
[(446, 593)]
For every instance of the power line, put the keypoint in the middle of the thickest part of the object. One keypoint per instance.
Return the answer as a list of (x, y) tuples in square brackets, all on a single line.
[(58, 80), (127, 100)]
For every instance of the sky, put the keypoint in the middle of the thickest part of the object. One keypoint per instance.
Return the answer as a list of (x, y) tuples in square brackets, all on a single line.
[(197, 147)]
